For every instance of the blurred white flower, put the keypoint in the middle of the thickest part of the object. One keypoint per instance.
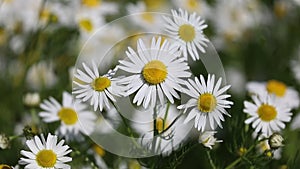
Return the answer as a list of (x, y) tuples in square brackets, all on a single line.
[(287, 96), (237, 16), (45, 153), (32, 99), (187, 30), (237, 79), (73, 115), (207, 103), (41, 75), (266, 115), (208, 140), (143, 18), (27, 15), (199, 6)]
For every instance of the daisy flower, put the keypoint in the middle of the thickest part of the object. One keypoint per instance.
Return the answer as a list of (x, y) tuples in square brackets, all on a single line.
[(207, 139), (100, 90), (199, 6), (208, 102), (287, 95), (187, 30), (157, 70), (72, 114), (45, 153), (266, 115)]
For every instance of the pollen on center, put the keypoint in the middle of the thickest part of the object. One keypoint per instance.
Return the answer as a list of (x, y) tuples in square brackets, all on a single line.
[(187, 32), (155, 72), (207, 102)]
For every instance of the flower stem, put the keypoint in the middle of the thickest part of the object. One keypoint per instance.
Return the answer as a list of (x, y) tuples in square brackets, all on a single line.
[(210, 160)]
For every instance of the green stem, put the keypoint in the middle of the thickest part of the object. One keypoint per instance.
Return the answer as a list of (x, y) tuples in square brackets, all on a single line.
[(210, 160)]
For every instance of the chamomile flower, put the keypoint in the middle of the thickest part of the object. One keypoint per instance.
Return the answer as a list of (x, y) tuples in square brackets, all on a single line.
[(46, 153), (72, 115), (143, 18), (207, 139), (156, 70), (199, 6), (287, 95), (266, 115), (187, 29), (208, 102), (99, 90)]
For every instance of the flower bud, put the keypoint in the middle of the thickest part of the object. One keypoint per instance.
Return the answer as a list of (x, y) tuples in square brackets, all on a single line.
[(275, 141), (4, 141)]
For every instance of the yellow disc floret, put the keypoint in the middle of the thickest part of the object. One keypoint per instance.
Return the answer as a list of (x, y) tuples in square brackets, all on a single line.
[(267, 112), (187, 32), (68, 116), (91, 3), (86, 24), (155, 72), (101, 83), (4, 166), (276, 87), (46, 158), (161, 125), (207, 102)]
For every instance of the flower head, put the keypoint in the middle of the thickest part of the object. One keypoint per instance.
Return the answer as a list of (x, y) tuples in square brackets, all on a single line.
[(72, 114), (187, 29), (266, 115), (4, 141), (45, 153), (275, 141), (98, 89), (156, 70), (208, 102), (284, 94), (207, 139)]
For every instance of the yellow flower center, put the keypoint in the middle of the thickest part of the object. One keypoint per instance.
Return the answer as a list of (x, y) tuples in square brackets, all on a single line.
[(187, 32), (4, 166), (267, 112), (280, 9), (101, 83), (161, 125), (133, 164), (91, 3), (207, 102), (148, 17), (46, 16), (154, 4), (155, 72), (86, 24), (192, 4), (242, 151), (99, 150), (46, 158), (68, 116), (276, 87)]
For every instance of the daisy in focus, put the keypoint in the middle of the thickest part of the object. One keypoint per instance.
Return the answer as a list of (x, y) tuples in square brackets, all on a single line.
[(46, 153), (72, 114), (208, 102), (266, 115), (187, 30), (99, 90), (287, 95), (156, 70)]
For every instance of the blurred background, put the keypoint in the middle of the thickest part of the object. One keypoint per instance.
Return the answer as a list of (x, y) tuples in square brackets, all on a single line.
[(40, 41)]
